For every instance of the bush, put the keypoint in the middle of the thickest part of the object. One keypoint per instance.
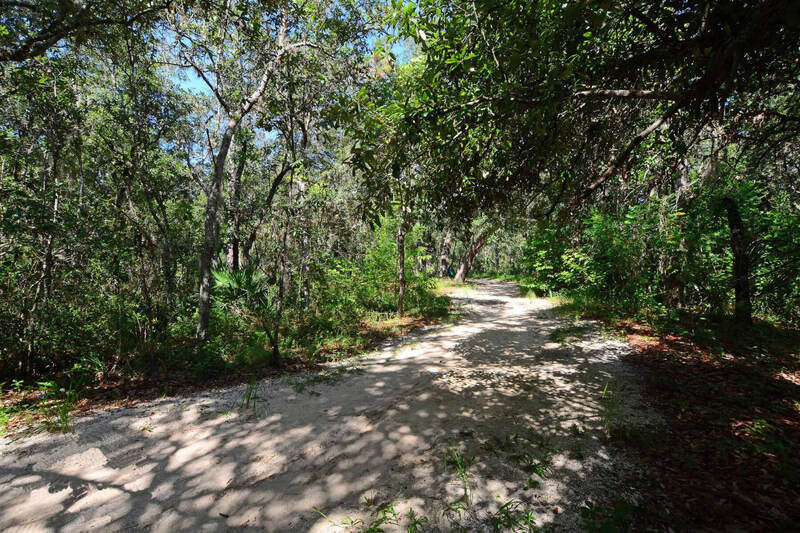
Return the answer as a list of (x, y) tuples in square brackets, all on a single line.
[(656, 257)]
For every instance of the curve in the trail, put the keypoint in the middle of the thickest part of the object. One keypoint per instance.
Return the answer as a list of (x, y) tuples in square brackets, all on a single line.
[(522, 414)]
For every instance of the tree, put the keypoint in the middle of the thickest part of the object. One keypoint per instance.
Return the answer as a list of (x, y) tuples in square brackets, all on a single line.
[(31, 28), (265, 41), (474, 246), (444, 253), (519, 98), (741, 263), (386, 157)]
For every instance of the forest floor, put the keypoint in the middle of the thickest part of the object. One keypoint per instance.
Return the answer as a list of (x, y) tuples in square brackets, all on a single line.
[(497, 422), (729, 456)]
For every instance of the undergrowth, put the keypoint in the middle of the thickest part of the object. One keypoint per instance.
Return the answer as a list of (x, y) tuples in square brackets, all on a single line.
[(236, 354)]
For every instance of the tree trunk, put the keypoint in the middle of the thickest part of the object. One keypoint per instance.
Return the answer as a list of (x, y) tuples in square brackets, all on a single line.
[(277, 360), (45, 280), (235, 224), (47, 264), (304, 272), (248, 246), (743, 309), (444, 254), (168, 274), (210, 235), (401, 266), (472, 252)]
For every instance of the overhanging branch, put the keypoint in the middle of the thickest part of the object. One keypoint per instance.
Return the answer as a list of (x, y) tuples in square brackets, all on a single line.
[(626, 93), (619, 161)]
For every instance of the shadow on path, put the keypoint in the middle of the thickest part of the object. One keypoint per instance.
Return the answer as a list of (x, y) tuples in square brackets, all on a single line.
[(493, 388)]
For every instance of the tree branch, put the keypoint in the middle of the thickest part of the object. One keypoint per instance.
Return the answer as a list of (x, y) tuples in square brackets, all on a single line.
[(622, 158), (626, 93), (36, 45)]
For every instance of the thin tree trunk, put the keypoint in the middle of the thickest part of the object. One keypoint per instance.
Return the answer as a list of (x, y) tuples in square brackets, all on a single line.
[(444, 254), (303, 284), (210, 234), (277, 360), (248, 246), (236, 197), (743, 309), (168, 275), (401, 265), (281, 267), (47, 265), (472, 252), (45, 280)]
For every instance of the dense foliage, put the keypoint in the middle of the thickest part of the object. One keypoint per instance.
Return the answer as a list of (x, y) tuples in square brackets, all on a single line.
[(213, 182), (655, 259), (201, 189), (647, 151), (136, 140)]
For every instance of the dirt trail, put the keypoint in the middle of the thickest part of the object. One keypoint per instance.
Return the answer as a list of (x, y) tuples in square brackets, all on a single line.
[(522, 413)]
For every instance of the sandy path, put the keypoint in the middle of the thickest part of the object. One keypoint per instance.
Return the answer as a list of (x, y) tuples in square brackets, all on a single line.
[(493, 389)]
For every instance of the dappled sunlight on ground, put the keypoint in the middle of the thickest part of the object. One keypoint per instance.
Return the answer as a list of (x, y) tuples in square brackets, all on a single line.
[(526, 414)]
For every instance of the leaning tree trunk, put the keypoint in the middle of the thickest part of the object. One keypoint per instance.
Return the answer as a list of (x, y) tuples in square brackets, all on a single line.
[(444, 253), (210, 235), (212, 204), (472, 252), (743, 309), (246, 247)]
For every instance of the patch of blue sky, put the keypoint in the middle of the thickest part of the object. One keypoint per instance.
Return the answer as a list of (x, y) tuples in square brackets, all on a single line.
[(402, 49), (189, 81)]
